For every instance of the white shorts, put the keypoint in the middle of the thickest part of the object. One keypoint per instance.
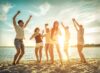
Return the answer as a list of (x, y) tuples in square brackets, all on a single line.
[(39, 45)]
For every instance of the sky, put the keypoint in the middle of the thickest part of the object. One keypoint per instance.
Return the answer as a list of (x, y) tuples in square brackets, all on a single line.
[(86, 12)]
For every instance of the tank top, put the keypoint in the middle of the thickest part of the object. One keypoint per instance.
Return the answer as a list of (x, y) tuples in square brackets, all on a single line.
[(38, 38)]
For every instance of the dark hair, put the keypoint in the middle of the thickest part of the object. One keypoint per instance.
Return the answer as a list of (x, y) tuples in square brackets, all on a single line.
[(67, 27), (47, 29), (20, 21), (46, 24), (36, 29)]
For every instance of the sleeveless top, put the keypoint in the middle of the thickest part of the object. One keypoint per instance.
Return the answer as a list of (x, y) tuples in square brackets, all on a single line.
[(38, 38)]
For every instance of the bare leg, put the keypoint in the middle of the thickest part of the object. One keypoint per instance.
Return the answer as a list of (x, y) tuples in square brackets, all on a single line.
[(36, 53), (51, 53), (16, 55), (80, 48), (46, 50), (59, 53), (40, 53), (22, 51), (66, 51)]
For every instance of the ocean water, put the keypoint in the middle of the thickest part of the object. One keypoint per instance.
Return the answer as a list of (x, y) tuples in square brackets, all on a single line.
[(7, 54)]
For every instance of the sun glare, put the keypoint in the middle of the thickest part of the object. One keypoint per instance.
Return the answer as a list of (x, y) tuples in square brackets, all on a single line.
[(61, 40)]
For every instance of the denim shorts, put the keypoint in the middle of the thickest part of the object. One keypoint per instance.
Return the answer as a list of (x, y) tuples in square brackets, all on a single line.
[(18, 44)]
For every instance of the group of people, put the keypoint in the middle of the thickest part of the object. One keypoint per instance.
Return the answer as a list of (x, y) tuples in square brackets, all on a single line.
[(51, 40)]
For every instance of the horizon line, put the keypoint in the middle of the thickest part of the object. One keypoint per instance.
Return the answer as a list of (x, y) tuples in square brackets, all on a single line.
[(85, 45)]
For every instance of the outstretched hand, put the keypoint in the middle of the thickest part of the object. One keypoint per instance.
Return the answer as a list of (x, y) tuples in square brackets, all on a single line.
[(73, 19), (30, 16), (18, 12), (62, 23), (28, 21)]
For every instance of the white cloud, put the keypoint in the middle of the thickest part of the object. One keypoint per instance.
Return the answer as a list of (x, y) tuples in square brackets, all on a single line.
[(92, 30), (42, 9), (84, 17), (4, 9)]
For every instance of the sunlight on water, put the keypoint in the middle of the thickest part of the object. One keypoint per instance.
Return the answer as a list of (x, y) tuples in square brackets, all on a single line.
[(8, 53)]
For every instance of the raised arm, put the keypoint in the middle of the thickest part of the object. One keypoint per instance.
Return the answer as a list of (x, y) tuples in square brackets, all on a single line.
[(62, 25), (27, 21), (14, 18), (43, 35), (75, 24), (32, 36)]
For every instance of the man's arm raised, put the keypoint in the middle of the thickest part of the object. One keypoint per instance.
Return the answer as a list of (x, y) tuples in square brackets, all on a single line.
[(77, 23), (14, 18), (62, 25), (28, 21), (74, 24)]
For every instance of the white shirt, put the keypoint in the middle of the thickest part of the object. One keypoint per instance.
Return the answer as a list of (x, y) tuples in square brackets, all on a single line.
[(19, 32), (47, 37)]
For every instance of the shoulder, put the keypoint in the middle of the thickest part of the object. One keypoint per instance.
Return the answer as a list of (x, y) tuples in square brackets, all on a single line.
[(40, 34), (82, 29), (35, 34), (16, 26)]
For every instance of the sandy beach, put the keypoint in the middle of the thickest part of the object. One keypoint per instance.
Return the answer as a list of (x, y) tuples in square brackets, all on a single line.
[(93, 66)]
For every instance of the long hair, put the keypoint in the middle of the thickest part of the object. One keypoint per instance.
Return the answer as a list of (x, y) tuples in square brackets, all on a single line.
[(55, 25), (55, 28)]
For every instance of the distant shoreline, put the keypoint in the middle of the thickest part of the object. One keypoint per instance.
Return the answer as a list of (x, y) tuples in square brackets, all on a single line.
[(86, 45)]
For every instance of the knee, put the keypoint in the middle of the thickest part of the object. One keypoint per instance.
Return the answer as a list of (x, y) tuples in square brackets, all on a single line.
[(58, 50), (22, 53), (18, 52), (80, 52), (40, 50)]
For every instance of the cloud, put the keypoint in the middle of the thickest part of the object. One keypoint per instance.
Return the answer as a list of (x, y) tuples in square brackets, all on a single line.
[(84, 15), (42, 9), (4, 9)]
